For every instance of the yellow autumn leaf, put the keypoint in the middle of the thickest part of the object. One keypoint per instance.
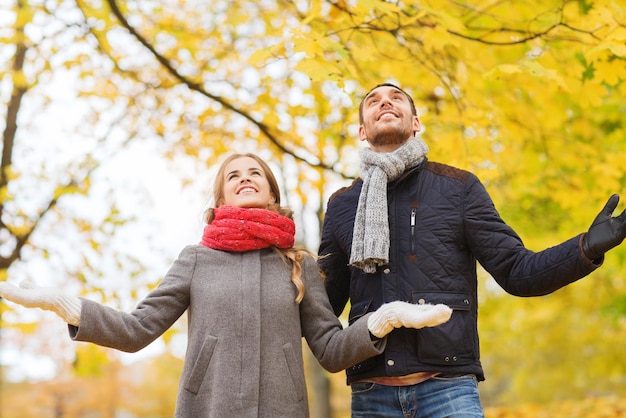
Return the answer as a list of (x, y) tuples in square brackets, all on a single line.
[(315, 8)]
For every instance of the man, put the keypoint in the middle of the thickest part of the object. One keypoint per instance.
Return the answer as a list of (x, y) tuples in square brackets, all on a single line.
[(412, 230)]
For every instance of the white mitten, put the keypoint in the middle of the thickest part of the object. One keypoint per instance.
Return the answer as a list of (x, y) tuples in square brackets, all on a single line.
[(403, 314), (31, 296)]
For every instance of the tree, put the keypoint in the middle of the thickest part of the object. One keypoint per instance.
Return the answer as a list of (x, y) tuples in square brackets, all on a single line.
[(44, 182)]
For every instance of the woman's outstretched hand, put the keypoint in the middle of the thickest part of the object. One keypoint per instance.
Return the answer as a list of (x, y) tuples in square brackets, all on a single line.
[(403, 314), (31, 296)]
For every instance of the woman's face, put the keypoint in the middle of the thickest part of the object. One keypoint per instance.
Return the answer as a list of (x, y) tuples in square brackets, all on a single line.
[(245, 185)]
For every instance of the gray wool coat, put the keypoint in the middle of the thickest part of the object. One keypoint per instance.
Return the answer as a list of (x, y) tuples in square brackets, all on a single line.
[(244, 347)]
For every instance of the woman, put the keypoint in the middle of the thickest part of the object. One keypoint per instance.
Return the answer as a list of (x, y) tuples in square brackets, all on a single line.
[(250, 297)]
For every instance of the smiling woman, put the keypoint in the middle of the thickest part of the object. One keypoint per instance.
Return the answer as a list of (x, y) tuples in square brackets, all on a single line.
[(250, 297), (245, 184)]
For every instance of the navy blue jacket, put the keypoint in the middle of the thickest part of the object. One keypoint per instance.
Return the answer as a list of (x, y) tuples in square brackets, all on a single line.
[(442, 221)]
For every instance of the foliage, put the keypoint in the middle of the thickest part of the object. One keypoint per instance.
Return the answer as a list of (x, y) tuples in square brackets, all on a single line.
[(612, 407), (144, 389), (527, 94)]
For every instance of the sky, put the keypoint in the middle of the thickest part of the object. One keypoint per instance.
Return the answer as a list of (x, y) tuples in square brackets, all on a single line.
[(145, 185), (168, 218)]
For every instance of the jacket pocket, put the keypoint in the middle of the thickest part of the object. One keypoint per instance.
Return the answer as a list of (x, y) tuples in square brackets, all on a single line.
[(359, 309), (454, 342), (199, 370), (297, 378)]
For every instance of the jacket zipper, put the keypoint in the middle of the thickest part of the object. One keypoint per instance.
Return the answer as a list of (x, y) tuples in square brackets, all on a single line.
[(413, 214)]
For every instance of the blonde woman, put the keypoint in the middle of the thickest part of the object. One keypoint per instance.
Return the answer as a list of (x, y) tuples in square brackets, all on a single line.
[(250, 297)]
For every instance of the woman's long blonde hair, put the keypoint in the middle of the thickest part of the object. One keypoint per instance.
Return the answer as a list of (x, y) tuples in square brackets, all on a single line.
[(293, 256)]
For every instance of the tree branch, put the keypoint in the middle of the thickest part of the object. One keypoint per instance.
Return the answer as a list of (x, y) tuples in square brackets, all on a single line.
[(192, 85)]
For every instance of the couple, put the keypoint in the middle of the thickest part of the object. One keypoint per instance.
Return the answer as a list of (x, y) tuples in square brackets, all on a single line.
[(401, 244)]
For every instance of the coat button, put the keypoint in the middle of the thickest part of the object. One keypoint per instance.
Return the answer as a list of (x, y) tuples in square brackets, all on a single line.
[(386, 271), (390, 362), (421, 302)]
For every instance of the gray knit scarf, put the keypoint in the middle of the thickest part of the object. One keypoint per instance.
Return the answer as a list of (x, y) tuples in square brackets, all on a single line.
[(370, 238)]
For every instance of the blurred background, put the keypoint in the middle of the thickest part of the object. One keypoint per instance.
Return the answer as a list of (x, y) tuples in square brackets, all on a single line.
[(115, 113)]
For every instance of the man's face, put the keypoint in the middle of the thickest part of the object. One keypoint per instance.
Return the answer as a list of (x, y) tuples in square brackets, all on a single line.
[(388, 121)]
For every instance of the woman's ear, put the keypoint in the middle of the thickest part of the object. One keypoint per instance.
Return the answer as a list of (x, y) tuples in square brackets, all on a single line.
[(272, 198)]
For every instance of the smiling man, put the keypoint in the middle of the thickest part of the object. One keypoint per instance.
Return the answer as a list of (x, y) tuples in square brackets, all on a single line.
[(412, 230), (387, 119)]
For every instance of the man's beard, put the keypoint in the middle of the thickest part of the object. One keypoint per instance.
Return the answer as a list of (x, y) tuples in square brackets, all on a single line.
[(390, 137)]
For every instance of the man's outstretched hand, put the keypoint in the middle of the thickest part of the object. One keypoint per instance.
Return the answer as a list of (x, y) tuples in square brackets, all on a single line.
[(605, 232)]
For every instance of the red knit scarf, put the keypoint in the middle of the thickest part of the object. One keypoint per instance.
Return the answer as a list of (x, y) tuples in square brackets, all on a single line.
[(244, 229)]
